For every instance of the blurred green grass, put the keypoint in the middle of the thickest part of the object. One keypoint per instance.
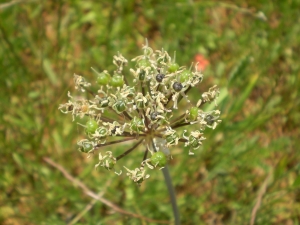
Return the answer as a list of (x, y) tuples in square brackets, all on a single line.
[(254, 62)]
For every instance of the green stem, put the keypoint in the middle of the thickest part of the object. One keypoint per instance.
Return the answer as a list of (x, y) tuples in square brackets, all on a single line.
[(171, 191), (172, 194)]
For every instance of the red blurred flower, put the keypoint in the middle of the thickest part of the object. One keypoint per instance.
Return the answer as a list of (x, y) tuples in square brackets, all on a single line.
[(202, 62)]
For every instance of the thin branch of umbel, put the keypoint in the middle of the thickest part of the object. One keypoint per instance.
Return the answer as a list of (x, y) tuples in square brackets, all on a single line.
[(129, 150), (114, 142)]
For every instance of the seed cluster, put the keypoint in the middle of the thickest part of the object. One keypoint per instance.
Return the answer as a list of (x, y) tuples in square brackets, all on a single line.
[(142, 106)]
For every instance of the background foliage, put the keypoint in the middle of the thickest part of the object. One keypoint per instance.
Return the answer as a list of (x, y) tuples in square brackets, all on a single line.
[(251, 156)]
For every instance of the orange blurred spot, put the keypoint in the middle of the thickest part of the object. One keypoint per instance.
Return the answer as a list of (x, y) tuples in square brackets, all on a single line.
[(201, 62)]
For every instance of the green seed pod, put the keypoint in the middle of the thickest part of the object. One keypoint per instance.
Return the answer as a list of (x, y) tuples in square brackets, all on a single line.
[(120, 106), (141, 104), (193, 113), (143, 63), (158, 159), (137, 124), (173, 67), (91, 126), (171, 138), (109, 164), (131, 93), (147, 51), (86, 147), (102, 131), (193, 142), (117, 81), (103, 78), (185, 76)]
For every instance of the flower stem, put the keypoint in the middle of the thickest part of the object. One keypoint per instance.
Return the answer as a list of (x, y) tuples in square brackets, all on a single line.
[(171, 191)]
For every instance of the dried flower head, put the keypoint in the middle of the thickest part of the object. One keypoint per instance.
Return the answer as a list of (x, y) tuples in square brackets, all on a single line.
[(142, 107)]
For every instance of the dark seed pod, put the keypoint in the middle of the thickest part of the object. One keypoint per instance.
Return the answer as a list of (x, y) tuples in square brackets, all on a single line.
[(153, 115), (177, 86), (209, 119), (113, 131), (70, 108), (160, 77), (142, 75), (103, 102)]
